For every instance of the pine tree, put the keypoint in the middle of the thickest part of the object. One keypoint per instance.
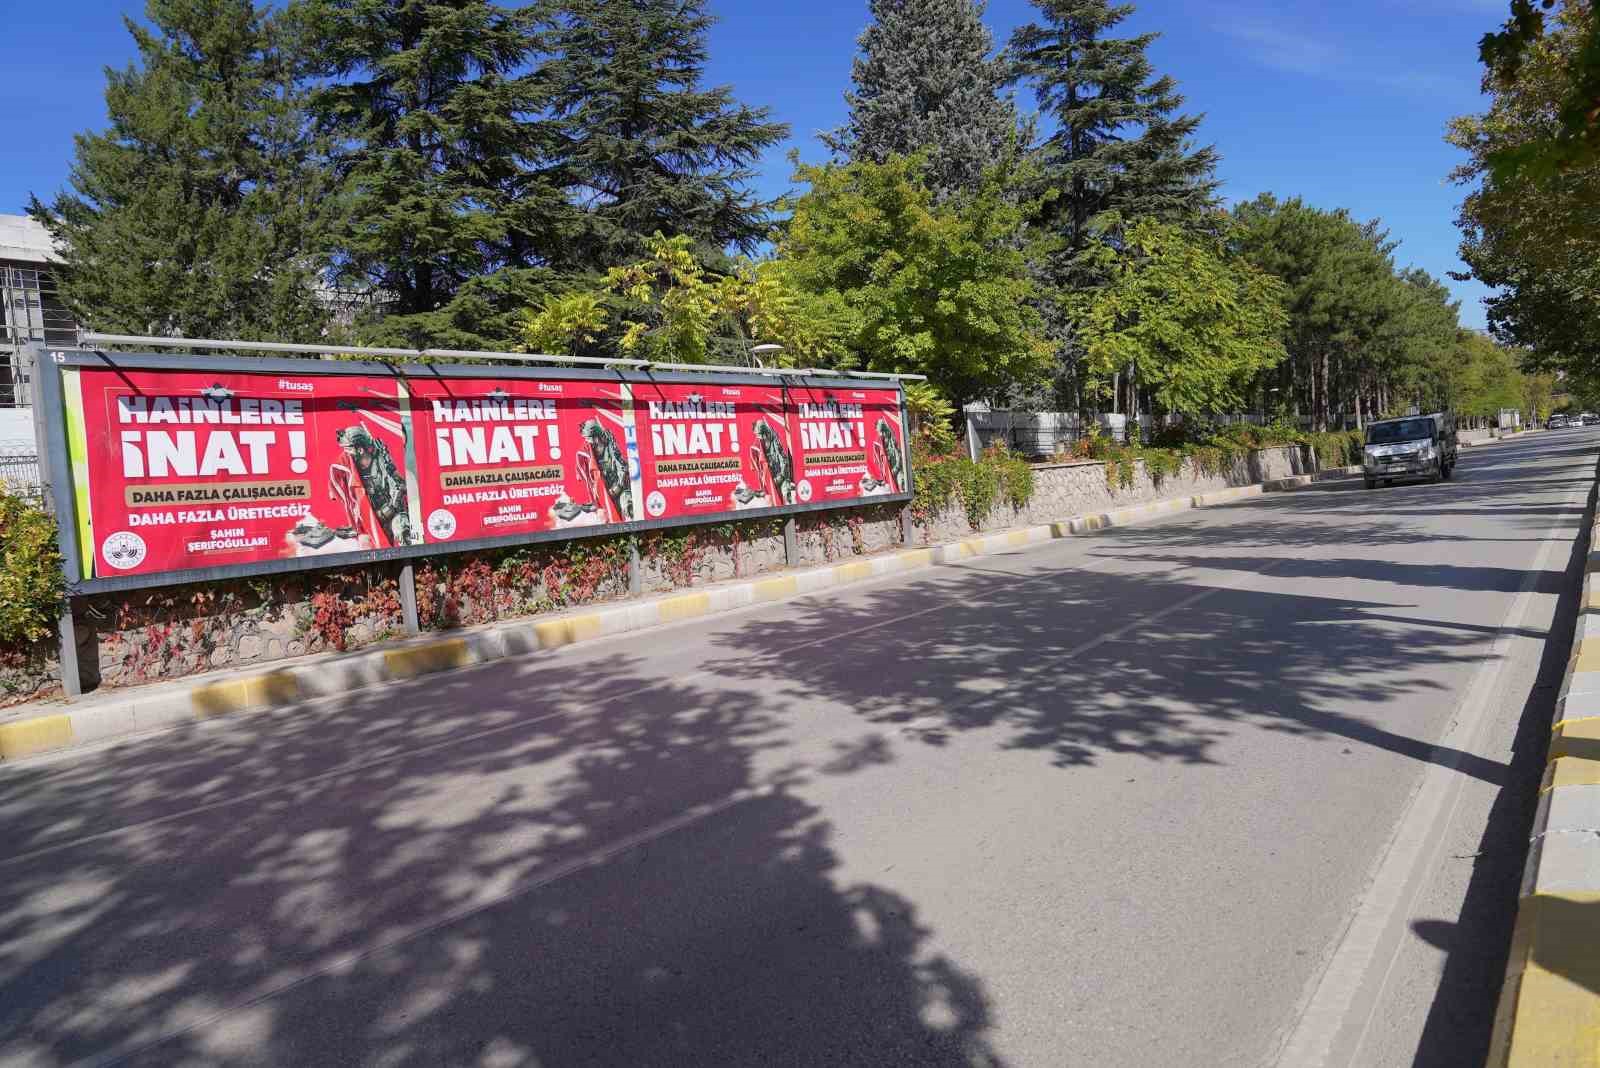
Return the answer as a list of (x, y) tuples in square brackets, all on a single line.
[(926, 81), (432, 107), (192, 214), (645, 148), (1121, 152)]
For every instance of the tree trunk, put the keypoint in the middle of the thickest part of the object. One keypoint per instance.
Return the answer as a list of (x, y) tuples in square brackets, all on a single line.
[(1133, 403), (1325, 407), (1291, 391), (1319, 386)]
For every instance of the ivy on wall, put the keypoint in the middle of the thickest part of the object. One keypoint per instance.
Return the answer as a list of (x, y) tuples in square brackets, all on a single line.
[(997, 476)]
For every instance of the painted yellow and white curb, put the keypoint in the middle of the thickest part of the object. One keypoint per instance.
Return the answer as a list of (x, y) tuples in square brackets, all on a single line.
[(1549, 1011), (99, 717)]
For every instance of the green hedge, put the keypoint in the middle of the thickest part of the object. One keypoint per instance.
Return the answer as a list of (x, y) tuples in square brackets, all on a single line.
[(1336, 448), (31, 584)]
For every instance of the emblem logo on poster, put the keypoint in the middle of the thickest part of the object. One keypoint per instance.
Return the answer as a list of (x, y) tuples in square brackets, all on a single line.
[(655, 504), (123, 550), (804, 489), (441, 523)]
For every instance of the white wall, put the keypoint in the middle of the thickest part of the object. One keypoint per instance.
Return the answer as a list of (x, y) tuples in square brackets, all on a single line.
[(16, 427)]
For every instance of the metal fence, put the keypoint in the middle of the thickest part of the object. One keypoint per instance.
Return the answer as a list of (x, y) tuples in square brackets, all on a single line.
[(1030, 433), (19, 466), (1041, 435), (19, 471), (30, 311)]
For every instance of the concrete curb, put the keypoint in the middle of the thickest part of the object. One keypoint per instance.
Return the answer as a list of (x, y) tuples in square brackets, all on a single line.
[(1519, 436), (1549, 1010), (95, 718)]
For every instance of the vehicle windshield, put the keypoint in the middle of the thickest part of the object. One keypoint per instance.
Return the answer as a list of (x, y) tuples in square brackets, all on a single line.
[(1399, 430)]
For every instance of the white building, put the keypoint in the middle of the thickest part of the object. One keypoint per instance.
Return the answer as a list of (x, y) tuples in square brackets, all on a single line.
[(29, 311)]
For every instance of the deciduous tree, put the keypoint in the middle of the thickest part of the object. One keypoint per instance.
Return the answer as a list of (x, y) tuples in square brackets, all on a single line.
[(1571, 136), (668, 307), (914, 284), (1531, 233), (1191, 324)]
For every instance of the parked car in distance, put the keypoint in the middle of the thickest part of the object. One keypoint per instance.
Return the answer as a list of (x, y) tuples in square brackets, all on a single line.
[(1556, 422), (1417, 446), (1589, 418)]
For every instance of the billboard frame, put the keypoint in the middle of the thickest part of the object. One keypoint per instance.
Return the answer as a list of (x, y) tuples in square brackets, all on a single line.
[(50, 413)]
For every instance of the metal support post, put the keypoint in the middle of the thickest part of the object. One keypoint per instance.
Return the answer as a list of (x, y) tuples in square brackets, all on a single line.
[(71, 684), (907, 526), (408, 600), (791, 543), (635, 568)]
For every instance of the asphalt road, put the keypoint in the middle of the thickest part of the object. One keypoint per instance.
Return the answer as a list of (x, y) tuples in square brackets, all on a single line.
[(1245, 786)]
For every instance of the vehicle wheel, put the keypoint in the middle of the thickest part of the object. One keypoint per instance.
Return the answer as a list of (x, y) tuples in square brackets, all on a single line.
[(1372, 483), (1449, 469), (1388, 482)]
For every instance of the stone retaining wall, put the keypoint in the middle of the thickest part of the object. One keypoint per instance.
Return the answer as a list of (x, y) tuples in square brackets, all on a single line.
[(1063, 490)]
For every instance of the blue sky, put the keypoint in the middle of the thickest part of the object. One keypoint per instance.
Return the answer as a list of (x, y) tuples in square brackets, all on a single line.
[(1340, 103)]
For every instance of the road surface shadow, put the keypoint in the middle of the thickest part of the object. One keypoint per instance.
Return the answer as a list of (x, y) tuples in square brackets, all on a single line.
[(1042, 660), (1443, 576), (508, 867)]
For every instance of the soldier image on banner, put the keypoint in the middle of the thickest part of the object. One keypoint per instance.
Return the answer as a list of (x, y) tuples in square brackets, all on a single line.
[(190, 470), (851, 443), (369, 486), (502, 456), (707, 448)]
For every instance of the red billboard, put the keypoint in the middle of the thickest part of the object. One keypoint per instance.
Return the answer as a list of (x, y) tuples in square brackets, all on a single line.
[(507, 456), (850, 443), (706, 448), (205, 469), (177, 470)]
